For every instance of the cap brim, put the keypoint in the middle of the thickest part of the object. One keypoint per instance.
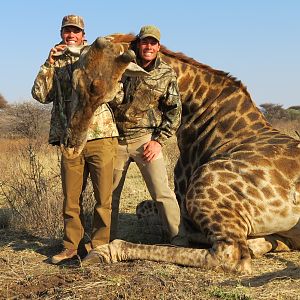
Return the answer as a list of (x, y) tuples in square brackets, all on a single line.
[(148, 35), (71, 24)]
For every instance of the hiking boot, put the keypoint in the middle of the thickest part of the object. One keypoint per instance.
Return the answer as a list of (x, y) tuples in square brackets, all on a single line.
[(64, 255)]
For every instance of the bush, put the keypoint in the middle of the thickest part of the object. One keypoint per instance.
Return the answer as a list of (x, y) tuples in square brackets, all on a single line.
[(32, 192), (275, 112), (25, 120), (293, 114), (3, 102), (30, 186)]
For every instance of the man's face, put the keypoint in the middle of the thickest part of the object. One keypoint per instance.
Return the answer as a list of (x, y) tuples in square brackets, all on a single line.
[(148, 49), (72, 36)]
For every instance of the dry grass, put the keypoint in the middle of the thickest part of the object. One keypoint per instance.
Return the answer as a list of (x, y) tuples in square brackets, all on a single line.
[(288, 127), (27, 274), (30, 186)]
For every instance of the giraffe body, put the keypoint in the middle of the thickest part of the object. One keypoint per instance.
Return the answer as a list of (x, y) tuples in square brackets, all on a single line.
[(236, 179)]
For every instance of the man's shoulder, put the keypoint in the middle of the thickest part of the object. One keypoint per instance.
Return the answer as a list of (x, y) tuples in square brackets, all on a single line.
[(165, 66)]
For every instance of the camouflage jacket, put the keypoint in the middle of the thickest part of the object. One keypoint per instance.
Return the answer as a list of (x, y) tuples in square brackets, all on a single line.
[(151, 104), (53, 84)]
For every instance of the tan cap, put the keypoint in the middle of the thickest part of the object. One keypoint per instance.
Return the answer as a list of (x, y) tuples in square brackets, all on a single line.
[(72, 20), (149, 30)]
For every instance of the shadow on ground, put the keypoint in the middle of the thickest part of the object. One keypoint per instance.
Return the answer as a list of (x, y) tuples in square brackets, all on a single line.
[(130, 229), (290, 272)]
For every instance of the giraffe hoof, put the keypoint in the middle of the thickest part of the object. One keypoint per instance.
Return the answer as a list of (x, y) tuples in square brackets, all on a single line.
[(92, 258)]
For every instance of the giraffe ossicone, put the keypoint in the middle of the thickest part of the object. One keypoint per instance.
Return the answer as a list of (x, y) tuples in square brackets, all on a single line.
[(237, 178)]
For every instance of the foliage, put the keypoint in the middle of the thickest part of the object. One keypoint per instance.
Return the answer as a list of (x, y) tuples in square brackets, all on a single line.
[(237, 294), (293, 113), (3, 102), (275, 112), (31, 192), (28, 119), (296, 107)]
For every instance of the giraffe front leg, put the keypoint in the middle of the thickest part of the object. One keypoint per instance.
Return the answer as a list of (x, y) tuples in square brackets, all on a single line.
[(108, 253), (231, 255)]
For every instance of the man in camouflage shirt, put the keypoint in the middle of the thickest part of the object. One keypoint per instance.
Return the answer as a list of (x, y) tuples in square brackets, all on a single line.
[(149, 114), (53, 84)]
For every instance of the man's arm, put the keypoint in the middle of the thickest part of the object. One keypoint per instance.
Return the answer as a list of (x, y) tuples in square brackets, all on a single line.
[(43, 84), (42, 89), (171, 109), (171, 116)]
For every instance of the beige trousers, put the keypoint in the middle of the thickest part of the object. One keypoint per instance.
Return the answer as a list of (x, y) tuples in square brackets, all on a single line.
[(156, 179), (96, 159)]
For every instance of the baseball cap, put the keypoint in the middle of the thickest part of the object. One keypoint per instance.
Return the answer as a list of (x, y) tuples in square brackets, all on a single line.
[(72, 20), (149, 30)]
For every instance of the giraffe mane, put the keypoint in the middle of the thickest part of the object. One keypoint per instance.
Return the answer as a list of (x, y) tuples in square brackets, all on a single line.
[(131, 39)]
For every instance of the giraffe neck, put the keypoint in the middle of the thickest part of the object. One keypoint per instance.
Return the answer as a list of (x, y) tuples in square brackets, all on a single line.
[(217, 109), (218, 114)]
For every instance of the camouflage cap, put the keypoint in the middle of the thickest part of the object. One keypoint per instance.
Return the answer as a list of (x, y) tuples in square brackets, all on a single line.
[(72, 20), (149, 30)]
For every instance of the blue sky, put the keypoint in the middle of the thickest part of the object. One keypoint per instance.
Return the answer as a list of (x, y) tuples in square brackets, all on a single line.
[(257, 41)]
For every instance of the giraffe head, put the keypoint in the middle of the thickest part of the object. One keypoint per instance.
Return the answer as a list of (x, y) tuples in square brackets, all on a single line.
[(95, 80)]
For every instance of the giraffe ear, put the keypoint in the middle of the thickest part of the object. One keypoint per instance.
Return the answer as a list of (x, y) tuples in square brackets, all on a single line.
[(127, 56), (133, 70)]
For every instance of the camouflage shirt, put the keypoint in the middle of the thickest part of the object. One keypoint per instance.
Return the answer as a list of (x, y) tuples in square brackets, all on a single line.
[(151, 104), (53, 84)]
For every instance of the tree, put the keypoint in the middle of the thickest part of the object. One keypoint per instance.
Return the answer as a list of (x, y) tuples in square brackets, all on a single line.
[(3, 102), (296, 107), (28, 119), (293, 113), (273, 111)]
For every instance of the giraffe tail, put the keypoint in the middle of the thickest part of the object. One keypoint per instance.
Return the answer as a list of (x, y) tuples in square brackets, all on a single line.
[(120, 250)]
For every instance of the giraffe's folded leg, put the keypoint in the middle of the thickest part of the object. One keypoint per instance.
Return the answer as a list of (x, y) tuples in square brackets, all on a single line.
[(262, 245)]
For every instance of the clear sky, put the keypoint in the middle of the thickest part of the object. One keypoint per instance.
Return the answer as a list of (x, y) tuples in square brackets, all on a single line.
[(257, 41)]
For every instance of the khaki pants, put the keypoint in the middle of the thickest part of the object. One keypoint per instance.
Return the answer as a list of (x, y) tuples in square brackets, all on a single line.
[(96, 159), (156, 179)]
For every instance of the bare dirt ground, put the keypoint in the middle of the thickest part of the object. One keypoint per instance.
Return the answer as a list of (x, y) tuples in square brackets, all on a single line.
[(27, 274)]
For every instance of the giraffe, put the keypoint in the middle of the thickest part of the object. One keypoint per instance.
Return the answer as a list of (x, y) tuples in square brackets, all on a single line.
[(237, 178)]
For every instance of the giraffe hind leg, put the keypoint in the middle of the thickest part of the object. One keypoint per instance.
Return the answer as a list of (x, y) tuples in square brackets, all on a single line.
[(262, 245), (151, 223)]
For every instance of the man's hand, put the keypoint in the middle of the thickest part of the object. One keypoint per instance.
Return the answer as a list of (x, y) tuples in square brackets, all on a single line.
[(54, 51), (151, 150)]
